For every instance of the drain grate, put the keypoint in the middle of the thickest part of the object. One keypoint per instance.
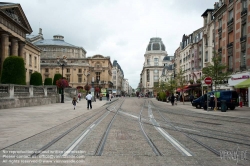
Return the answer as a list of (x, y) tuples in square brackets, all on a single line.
[(208, 123)]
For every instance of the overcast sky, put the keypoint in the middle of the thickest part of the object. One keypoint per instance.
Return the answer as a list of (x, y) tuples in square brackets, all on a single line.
[(120, 29)]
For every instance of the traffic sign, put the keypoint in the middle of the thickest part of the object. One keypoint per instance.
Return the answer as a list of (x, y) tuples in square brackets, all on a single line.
[(208, 80)]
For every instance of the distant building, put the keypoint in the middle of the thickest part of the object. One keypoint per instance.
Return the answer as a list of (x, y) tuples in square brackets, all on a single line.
[(153, 66)]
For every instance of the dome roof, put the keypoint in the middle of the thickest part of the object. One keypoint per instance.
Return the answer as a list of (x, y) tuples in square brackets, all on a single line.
[(58, 40), (156, 44)]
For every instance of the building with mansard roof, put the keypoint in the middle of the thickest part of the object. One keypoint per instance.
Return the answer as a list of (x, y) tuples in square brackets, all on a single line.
[(153, 65)]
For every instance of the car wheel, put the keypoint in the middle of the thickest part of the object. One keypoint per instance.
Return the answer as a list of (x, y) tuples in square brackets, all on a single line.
[(198, 106)]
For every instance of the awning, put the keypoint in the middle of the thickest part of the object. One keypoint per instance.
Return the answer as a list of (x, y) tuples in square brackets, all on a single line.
[(243, 84)]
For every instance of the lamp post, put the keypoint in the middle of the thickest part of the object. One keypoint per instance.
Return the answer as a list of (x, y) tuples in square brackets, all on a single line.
[(62, 62)]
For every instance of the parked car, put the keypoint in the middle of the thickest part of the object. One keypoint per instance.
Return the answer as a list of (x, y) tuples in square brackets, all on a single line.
[(231, 98)]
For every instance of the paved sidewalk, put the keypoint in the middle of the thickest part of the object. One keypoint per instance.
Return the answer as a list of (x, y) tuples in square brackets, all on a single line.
[(240, 112), (19, 123)]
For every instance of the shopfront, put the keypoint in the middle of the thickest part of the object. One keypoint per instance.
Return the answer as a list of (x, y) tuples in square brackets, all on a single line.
[(241, 83)]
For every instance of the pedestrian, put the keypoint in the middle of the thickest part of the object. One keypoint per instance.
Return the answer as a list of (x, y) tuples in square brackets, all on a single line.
[(110, 97), (88, 98), (191, 98), (79, 96), (212, 101), (74, 101), (107, 96), (100, 96), (172, 99)]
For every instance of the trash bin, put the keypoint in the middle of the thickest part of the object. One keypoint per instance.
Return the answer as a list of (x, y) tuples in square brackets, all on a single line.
[(223, 106)]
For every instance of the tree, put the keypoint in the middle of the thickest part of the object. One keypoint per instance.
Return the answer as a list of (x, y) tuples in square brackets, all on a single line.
[(217, 71), (56, 77), (36, 79), (62, 83), (48, 81), (181, 82), (87, 87), (13, 71)]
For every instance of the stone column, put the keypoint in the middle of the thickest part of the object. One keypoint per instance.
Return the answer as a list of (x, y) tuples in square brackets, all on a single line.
[(14, 47), (21, 49), (4, 49)]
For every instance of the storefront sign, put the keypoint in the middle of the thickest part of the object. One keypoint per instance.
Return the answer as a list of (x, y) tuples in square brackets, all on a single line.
[(238, 78), (242, 77)]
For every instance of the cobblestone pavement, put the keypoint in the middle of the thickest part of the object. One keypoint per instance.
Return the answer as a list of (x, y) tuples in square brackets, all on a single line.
[(182, 134)]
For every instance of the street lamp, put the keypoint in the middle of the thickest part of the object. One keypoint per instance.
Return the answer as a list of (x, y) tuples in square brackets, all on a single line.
[(62, 62)]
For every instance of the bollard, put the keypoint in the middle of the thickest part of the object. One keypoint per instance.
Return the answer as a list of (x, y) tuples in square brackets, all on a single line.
[(240, 103)]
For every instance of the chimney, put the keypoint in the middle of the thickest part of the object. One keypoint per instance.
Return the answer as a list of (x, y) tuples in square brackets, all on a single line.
[(40, 31)]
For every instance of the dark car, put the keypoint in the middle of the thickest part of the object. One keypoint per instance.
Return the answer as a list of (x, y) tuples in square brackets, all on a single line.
[(231, 98)]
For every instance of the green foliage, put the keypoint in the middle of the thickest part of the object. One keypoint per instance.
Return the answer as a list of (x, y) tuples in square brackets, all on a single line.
[(162, 96), (13, 71), (217, 71), (36, 79), (48, 81), (56, 77)]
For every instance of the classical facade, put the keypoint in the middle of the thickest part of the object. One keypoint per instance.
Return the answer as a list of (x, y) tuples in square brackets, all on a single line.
[(153, 65), (77, 67), (14, 27), (168, 70), (100, 72)]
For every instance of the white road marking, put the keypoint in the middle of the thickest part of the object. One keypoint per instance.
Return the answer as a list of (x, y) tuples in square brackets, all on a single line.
[(74, 145)]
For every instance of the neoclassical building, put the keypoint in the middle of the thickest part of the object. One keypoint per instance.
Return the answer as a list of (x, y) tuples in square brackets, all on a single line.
[(117, 78), (153, 65), (79, 70), (14, 27)]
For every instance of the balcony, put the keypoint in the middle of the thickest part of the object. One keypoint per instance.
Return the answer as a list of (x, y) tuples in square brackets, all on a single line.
[(243, 38), (220, 30), (243, 67), (229, 45), (244, 12)]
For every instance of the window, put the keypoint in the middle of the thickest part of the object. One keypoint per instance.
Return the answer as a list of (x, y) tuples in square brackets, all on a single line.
[(97, 76), (30, 60), (244, 4), (35, 62), (220, 23), (230, 62), (230, 15), (244, 30), (156, 75), (79, 78), (57, 70), (148, 61), (148, 75), (46, 70), (156, 61), (206, 57), (243, 59), (68, 78), (79, 70), (68, 70)]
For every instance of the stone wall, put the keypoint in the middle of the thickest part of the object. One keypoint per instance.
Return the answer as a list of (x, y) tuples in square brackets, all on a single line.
[(14, 96)]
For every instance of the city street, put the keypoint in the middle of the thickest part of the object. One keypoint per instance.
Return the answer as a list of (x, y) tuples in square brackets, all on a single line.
[(125, 131)]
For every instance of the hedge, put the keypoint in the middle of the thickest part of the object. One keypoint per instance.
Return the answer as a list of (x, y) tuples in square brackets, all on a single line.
[(48, 81), (13, 71), (36, 79)]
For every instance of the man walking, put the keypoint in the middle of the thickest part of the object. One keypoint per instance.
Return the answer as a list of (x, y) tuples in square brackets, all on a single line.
[(88, 98)]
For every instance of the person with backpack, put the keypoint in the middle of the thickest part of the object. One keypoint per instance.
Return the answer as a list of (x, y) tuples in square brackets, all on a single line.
[(74, 101)]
